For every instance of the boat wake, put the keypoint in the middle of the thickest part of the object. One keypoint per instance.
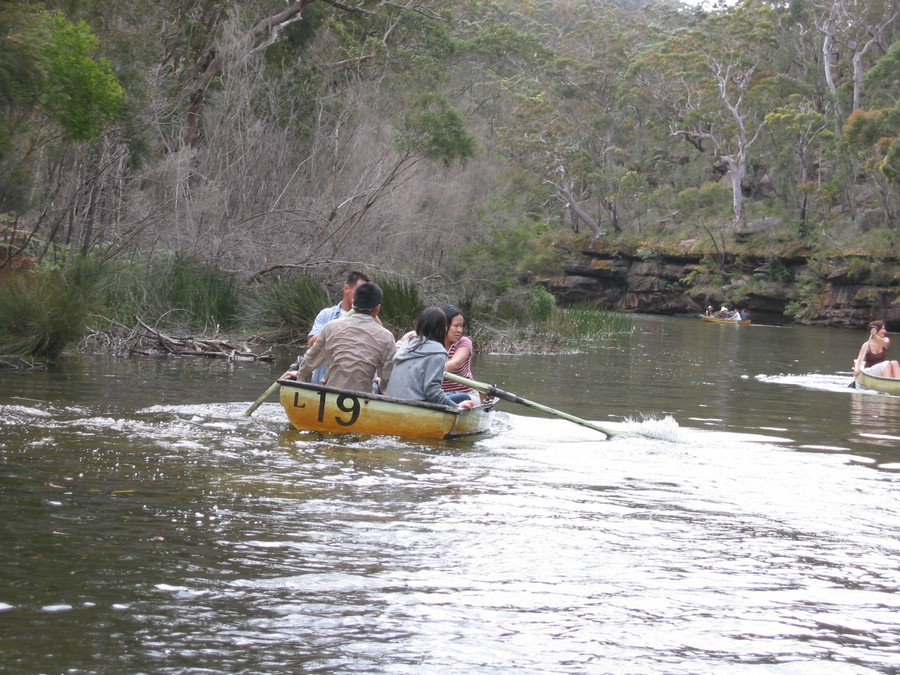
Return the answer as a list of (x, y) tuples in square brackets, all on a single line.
[(819, 381)]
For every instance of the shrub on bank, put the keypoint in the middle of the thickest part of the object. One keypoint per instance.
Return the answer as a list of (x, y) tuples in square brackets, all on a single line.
[(40, 314), (564, 328), (285, 308), (169, 290), (402, 304), (44, 312)]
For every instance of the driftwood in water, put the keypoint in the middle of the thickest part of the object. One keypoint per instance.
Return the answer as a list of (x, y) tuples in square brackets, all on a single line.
[(154, 341)]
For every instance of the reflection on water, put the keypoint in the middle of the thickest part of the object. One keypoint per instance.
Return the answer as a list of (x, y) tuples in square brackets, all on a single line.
[(158, 530), (876, 417)]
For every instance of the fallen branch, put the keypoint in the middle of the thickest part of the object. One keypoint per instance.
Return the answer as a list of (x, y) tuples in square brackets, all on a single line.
[(155, 341)]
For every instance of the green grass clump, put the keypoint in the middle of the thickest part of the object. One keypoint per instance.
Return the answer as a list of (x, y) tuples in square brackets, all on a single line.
[(207, 295), (401, 306), (173, 290), (564, 329), (580, 322), (286, 308), (40, 314)]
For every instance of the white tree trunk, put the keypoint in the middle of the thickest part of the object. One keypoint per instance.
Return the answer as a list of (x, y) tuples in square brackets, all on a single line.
[(737, 170)]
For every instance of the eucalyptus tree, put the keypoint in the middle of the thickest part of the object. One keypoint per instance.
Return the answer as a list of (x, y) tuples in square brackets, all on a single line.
[(803, 135), (872, 136), (565, 127), (855, 33), (592, 154), (881, 81), (20, 83), (716, 83)]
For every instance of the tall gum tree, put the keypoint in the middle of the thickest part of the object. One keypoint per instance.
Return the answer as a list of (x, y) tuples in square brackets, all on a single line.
[(855, 34), (566, 129), (714, 82), (800, 131)]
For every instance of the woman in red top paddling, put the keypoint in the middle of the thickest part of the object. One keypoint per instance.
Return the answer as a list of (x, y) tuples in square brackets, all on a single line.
[(872, 357)]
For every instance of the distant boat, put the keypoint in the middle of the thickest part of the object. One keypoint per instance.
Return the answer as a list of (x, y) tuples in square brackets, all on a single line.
[(715, 319), (886, 385), (316, 407)]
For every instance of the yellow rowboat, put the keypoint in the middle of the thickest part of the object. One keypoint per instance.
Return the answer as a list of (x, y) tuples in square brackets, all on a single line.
[(886, 385), (715, 319), (316, 407)]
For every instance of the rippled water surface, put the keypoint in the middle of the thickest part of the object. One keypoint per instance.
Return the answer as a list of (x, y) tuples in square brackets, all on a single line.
[(147, 526)]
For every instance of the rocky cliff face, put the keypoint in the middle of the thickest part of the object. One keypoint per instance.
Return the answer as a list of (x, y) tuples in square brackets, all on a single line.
[(848, 292)]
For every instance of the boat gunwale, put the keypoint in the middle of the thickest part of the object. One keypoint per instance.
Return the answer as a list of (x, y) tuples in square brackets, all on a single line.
[(865, 381), (715, 319), (427, 405)]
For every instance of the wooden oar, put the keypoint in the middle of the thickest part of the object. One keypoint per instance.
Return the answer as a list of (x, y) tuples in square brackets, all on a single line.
[(258, 402), (852, 384), (491, 390)]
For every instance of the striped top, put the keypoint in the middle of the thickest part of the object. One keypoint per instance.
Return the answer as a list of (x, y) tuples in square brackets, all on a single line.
[(465, 371)]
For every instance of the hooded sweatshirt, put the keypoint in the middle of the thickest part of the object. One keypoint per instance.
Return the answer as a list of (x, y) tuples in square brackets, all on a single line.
[(419, 371)]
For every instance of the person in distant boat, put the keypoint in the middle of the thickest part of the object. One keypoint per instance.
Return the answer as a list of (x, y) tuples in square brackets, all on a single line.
[(724, 313), (737, 315), (355, 348), (419, 364), (709, 310), (339, 311), (459, 353), (872, 357)]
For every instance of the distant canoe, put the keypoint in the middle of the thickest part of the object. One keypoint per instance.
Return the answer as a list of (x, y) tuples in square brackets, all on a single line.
[(715, 319), (886, 385), (315, 407)]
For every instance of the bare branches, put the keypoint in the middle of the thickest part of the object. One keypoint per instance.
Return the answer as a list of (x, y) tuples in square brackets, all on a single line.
[(154, 341), (564, 193), (260, 37)]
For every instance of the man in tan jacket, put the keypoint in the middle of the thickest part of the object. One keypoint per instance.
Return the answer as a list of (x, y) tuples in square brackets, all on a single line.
[(356, 348)]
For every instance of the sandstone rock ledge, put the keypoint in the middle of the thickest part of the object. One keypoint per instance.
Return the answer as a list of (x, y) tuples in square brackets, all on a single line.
[(847, 292)]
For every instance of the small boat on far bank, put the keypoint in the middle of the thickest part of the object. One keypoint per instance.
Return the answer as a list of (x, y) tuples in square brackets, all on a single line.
[(316, 407), (734, 322), (885, 385)]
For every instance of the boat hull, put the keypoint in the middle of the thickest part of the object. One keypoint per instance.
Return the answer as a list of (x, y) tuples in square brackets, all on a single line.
[(886, 385), (715, 319), (315, 407)]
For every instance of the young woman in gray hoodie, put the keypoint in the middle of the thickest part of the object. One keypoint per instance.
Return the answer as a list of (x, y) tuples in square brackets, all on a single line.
[(419, 363)]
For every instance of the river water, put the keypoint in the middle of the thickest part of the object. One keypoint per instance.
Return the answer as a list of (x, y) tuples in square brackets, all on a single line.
[(147, 526)]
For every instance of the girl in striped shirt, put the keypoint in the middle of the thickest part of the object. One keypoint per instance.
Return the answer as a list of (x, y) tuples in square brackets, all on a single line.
[(459, 352)]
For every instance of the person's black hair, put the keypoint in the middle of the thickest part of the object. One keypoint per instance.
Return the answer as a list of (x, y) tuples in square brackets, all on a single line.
[(451, 312), (354, 277), (432, 324), (367, 297)]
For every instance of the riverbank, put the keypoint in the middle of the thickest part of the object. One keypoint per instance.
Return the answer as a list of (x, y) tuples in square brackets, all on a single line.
[(794, 285)]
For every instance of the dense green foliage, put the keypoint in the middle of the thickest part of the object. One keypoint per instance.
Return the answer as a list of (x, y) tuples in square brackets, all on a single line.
[(80, 93)]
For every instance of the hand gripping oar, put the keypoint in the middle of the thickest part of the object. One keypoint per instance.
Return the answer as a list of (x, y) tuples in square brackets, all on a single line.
[(491, 390)]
